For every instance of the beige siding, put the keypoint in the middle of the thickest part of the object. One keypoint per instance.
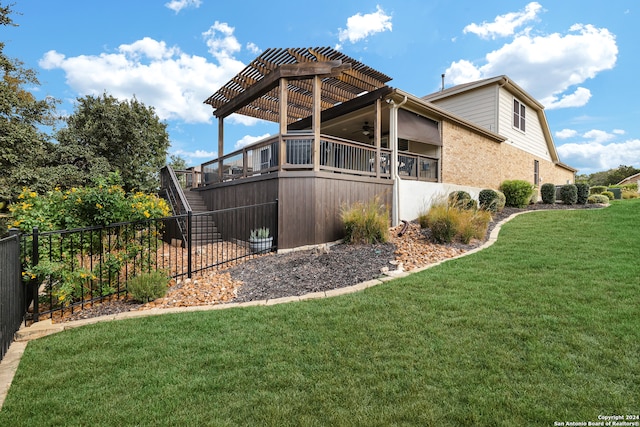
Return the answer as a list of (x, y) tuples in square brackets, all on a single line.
[(478, 106), (531, 141)]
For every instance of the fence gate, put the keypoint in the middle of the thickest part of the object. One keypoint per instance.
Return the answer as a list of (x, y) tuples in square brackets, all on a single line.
[(12, 292)]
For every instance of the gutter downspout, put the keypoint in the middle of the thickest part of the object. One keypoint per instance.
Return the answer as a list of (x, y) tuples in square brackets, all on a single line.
[(393, 139)]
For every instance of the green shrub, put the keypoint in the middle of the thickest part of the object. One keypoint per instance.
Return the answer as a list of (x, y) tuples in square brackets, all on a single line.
[(583, 193), (147, 287), (598, 198), (548, 193), (488, 200), (631, 187), (630, 194), (517, 193), (609, 194), (597, 189), (569, 194), (83, 207), (534, 196), (366, 223), (462, 200)]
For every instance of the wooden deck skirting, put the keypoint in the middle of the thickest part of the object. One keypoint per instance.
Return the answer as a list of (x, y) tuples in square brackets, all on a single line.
[(309, 202)]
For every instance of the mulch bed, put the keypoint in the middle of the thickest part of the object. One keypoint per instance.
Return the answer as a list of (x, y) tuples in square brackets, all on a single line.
[(297, 273)]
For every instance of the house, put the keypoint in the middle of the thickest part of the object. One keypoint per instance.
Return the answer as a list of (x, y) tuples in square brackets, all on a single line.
[(345, 136), (500, 105), (633, 179)]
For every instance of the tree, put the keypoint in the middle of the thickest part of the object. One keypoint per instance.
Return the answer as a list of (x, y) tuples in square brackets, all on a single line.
[(127, 135), (609, 177), (177, 163), (23, 145)]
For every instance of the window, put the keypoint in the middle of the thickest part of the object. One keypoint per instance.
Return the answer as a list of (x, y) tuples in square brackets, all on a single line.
[(536, 172), (518, 115)]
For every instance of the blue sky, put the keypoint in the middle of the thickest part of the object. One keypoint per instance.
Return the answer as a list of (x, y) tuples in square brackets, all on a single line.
[(578, 57)]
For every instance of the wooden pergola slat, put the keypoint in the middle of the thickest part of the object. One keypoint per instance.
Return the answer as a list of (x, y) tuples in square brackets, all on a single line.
[(254, 91)]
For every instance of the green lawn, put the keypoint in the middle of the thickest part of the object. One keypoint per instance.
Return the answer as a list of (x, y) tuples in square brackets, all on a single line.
[(543, 326)]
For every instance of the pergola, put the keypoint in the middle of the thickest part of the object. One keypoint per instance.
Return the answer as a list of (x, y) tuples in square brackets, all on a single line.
[(285, 85)]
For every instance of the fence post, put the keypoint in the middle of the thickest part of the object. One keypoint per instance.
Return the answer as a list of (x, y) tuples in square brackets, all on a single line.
[(277, 231), (35, 259), (189, 243)]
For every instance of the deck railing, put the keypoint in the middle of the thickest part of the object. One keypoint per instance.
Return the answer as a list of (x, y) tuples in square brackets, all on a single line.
[(335, 155)]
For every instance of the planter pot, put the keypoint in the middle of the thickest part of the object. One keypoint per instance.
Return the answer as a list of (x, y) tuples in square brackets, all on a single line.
[(261, 245)]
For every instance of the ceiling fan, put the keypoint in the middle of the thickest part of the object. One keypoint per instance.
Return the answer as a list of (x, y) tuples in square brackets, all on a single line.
[(366, 129)]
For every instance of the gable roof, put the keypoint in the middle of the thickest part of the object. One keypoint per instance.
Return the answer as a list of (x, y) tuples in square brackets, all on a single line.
[(509, 85), (503, 81), (630, 178), (255, 91)]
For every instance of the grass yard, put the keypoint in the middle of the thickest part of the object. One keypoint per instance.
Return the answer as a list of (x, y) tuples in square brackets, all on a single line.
[(542, 327)]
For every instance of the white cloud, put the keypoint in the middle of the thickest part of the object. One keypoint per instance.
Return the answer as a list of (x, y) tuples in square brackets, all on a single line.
[(550, 66), (253, 48), (576, 99), (240, 119), (566, 133), (619, 131), (504, 25), (195, 157), (221, 42), (361, 26), (178, 5), (594, 156), (199, 154), (171, 81), (248, 140), (598, 136)]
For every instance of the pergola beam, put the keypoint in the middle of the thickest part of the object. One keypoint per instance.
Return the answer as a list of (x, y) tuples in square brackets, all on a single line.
[(299, 71)]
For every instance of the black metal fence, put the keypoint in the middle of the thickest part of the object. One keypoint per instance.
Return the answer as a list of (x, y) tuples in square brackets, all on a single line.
[(64, 271), (12, 292)]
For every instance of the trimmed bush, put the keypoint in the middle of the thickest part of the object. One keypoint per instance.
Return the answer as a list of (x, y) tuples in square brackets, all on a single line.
[(488, 200), (609, 194), (598, 198), (148, 286), (583, 193), (597, 189), (569, 194), (462, 200), (366, 223), (548, 193), (517, 193)]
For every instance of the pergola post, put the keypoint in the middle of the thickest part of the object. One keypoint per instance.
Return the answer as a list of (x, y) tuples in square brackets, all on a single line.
[(316, 121), (377, 130), (283, 91), (220, 146)]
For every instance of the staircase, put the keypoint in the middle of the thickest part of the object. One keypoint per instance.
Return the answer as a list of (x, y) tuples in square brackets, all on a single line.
[(203, 228)]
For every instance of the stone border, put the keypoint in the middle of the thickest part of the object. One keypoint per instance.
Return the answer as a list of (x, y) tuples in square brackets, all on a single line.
[(11, 360)]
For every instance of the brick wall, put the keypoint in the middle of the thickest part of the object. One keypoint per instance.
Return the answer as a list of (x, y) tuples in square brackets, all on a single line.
[(471, 159)]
